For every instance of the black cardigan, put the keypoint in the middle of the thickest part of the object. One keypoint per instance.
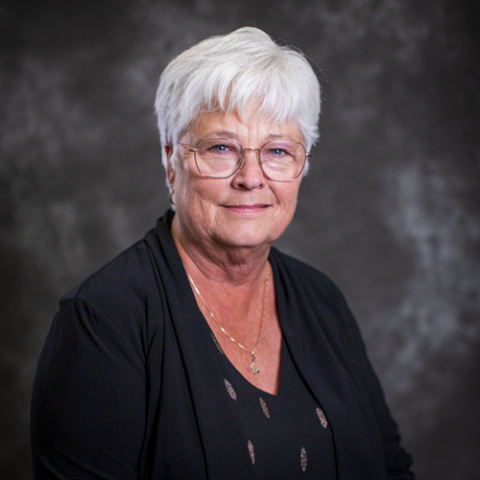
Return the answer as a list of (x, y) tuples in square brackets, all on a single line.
[(127, 386)]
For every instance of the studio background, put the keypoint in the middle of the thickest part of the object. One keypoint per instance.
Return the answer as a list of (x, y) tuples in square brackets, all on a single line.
[(389, 210)]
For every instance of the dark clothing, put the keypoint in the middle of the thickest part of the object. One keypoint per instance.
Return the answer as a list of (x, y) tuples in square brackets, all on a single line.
[(288, 433), (127, 384)]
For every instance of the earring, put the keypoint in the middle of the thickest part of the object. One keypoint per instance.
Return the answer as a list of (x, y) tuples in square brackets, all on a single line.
[(171, 197)]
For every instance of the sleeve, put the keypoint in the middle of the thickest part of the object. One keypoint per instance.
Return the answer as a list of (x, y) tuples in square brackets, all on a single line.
[(88, 405), (397, 461)]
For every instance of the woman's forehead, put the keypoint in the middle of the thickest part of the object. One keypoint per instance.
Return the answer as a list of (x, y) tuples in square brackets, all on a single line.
[(251, 124)]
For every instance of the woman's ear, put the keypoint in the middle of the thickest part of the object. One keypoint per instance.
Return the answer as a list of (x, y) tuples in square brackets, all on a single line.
[(168, 150), (170, 171)]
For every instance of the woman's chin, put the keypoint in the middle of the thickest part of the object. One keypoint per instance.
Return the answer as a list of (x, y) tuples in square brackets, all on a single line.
[(249, 231), (244, 238)]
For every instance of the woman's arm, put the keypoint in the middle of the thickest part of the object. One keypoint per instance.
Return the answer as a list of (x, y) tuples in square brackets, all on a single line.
[(88, 406), (397, 461)]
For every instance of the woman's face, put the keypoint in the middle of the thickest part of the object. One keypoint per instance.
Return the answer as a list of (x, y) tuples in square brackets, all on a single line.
[(245, 210)]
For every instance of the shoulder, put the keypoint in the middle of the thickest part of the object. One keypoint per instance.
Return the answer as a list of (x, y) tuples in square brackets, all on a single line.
[(316, 302), (123, 294), (129, 275), (307, 279), (127, 293)]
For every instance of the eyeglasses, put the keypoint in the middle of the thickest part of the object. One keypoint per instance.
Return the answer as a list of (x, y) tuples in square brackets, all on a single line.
[(221, 158)]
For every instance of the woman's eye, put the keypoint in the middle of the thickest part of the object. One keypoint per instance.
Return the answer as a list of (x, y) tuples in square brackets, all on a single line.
[(220, 148), (277, 152)]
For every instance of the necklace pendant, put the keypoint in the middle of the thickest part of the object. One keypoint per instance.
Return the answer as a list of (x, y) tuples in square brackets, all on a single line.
[(253, 367), (255, 370)]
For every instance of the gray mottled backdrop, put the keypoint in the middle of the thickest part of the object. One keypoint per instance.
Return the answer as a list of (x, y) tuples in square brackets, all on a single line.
[(390, 209)]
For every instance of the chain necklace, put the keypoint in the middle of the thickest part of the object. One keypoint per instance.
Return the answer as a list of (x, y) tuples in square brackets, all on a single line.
[(253, 367)]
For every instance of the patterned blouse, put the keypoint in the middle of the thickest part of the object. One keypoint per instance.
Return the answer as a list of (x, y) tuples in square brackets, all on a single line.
[(288, 434)]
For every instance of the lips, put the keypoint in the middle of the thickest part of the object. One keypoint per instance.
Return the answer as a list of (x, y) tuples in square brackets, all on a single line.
[(247, 208)]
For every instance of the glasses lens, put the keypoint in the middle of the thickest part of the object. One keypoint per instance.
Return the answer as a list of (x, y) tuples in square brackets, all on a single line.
[(283, 161), (218, 157)]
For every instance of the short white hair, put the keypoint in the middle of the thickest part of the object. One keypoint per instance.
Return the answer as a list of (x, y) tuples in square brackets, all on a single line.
[(223, 73)]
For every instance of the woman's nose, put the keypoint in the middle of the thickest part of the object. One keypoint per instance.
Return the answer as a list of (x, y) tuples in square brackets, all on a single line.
[(250, 174)]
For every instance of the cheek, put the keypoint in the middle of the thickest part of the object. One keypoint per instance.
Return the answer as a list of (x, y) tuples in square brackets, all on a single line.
[(187, 183), (289, 201), (288, 195), (198, 196)]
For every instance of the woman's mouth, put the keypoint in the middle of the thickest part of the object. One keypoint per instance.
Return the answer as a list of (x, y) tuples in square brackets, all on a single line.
[(253, 208)]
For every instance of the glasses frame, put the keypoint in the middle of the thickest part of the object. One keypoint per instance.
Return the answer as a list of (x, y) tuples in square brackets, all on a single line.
[(241, 162)]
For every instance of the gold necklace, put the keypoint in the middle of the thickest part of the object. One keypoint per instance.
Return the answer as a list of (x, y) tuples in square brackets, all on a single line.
[(255, 370)]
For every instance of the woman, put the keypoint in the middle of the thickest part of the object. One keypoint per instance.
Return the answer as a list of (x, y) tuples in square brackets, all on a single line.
[(201, 352)]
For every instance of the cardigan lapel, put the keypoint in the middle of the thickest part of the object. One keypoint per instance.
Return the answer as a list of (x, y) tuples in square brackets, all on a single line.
[(223, 441)]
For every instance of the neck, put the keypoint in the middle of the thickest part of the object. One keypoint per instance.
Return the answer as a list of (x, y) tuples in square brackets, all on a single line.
[(220, 263)]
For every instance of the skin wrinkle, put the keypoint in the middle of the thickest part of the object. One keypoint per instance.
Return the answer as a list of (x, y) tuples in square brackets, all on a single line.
[(218, 244)]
